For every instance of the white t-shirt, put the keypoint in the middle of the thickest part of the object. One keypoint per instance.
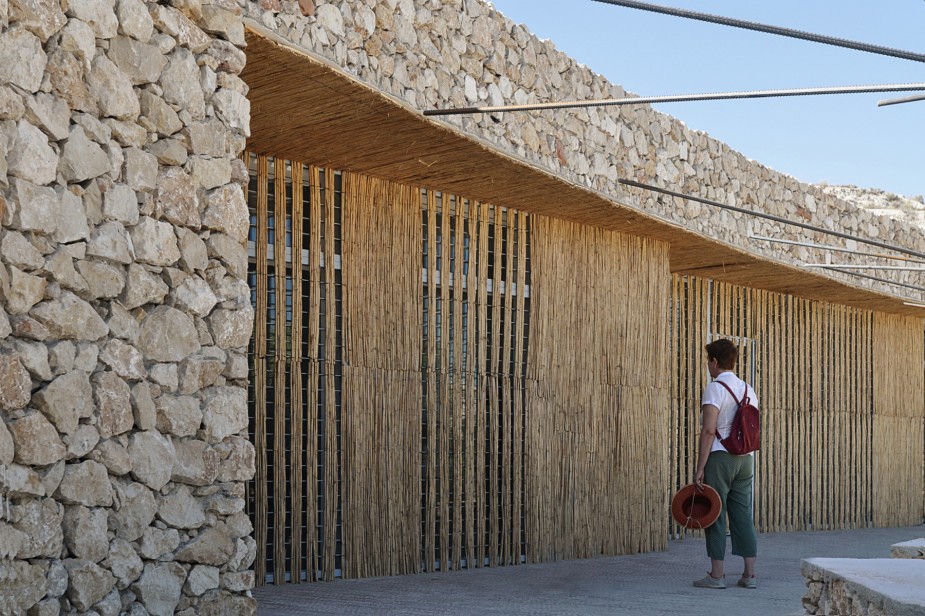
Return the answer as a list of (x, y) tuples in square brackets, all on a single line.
[(717, 395)]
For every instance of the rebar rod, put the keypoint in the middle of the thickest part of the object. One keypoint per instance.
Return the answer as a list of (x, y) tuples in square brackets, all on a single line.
[(680, 98), (758, 27), (877, 255)]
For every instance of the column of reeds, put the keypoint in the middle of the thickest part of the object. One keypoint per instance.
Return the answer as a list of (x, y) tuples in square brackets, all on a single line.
[(597, 393), (381, 264), (898, 436)]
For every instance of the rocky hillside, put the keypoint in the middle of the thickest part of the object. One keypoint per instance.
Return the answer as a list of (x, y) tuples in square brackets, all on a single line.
[(881, 202)]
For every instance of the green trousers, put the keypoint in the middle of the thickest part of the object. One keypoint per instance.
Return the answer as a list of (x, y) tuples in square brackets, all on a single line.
[(732, 476)]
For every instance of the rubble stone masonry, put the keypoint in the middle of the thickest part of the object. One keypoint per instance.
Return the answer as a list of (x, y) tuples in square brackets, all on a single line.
[(124, 309)]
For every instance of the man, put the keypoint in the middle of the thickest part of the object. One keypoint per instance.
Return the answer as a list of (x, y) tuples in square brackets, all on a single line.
[(728, 474)]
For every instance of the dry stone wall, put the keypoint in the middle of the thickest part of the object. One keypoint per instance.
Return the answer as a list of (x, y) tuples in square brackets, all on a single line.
[(124, 309), (461, 53)]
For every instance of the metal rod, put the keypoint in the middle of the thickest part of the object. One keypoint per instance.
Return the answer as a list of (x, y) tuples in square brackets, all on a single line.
[(848, 266), (898, 101), (884, 280), (680, 98), (802, 225), (835, 249), (788, 32)]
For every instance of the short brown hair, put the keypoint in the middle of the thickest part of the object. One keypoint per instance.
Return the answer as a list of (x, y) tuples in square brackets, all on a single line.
[(724, 352)]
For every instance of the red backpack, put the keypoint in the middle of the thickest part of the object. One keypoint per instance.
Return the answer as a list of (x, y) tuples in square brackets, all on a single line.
[(745, 433)]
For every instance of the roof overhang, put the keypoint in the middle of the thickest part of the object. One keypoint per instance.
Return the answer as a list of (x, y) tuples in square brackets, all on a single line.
[(306, 108)]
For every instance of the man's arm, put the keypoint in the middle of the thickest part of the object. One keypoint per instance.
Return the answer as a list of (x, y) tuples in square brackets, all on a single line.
[(707, 434)]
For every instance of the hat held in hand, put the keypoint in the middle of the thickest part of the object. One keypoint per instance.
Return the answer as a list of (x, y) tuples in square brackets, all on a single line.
[(692, 508)]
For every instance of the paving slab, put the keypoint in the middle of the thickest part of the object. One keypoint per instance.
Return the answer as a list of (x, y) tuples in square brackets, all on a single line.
[(896, 584), (655, 583)]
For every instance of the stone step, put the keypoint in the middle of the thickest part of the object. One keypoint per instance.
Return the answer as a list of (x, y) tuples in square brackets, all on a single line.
[(871, 586), (909, 549)]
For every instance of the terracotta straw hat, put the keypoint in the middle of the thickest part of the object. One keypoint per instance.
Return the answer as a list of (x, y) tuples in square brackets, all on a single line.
[(692, 508)]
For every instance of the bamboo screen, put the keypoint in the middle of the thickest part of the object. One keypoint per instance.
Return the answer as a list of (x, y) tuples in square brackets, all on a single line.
[(813, 369), (295, 366), (898, 435), (597, 393), (387, 376)]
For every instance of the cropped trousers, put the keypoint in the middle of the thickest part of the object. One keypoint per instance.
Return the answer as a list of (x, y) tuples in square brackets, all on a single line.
[(732, 476)]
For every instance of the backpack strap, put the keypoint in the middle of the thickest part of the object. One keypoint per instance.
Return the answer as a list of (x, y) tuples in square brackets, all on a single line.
[(729, 389)]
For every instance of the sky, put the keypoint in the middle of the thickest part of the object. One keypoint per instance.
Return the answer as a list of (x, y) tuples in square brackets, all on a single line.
[(837, 139)]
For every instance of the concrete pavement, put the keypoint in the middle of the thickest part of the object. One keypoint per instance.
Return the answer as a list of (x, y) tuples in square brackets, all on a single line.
[(644, 584)]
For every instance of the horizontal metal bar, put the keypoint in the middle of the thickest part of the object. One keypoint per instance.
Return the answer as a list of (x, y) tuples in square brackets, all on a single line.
[(848, 266), (802, 225), (898, 101), (883, 280), (680, 98), (878, 255), (758, 27)]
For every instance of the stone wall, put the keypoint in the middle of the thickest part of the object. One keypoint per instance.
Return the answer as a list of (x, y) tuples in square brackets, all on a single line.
[(459, 53), (124, 309)]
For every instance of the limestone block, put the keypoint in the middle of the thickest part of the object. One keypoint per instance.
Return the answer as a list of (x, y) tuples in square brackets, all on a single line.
[(111, 241), (197, 464), (174, 23), (245, 552), (226, 211), (170, 152), (21, 481), (113, 401), (157, 542), (36, 441), (234, 108), (153, 457), (49, 113), (127, 133), (11, 541), (57, 579), (112, 90), (156, 346), (85, 483), (41, 521), (11, 107), (229, 58), (17, 250), (159, 588), (22, 60), (212, 546), (21, 585), (134, 511), (230, 252), (85, 533), (103, 280), (231, 329), (178, 415), (134, 20), (120, 203), (72, 219), (143, 409), (176, 199), (201, 578), (99, 14), (181, 509), (110, 605), (155, 242), (15, 383), (26, 291), (195, 295), (88, 583), (71, 318), (124, 562), (142, 287), (220, 603), (66, 400), (32, 158), (209, 137), (224, 412), (81, 158), (61, 356), (180, 83), (239, 465), (124, 359), (79, 39), (142, 62), (27, 327), (140, 169), (82, 442), (159, 116), (113, 455)]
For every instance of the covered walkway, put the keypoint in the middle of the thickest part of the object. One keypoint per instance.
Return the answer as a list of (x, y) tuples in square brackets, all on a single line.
[(657, 583)]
